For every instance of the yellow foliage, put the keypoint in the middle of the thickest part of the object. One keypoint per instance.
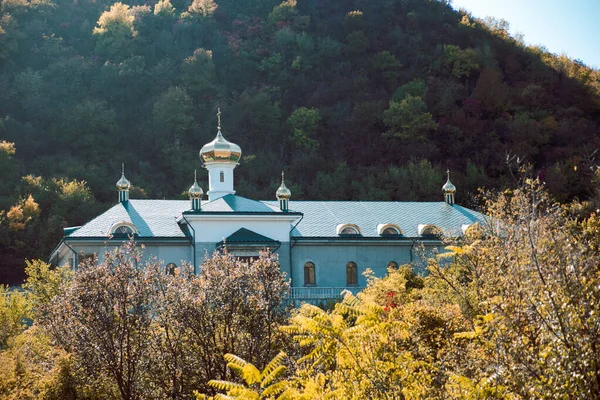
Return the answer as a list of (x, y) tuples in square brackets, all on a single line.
[(21, 213), (7, 148)]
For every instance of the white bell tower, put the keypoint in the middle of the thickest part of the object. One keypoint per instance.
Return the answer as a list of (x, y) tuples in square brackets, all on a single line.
[(220, 159)]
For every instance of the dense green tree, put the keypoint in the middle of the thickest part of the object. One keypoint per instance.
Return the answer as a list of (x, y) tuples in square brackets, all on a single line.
[(409, 120), (86, 85)]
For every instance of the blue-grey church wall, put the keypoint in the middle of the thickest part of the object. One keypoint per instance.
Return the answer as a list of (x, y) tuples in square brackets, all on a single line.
[(330, 259)]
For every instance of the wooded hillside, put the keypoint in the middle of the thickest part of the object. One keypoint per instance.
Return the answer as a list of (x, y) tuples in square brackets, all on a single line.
[(353, 99)]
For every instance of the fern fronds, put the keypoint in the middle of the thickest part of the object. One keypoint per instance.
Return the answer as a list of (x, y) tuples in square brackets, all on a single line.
[(276, 373), (273, 364), (224, 385)]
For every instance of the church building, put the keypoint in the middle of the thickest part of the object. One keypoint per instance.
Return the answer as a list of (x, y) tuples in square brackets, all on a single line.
[(323, 246)]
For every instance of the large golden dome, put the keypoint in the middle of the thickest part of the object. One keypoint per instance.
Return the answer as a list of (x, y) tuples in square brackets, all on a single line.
[(220, 150)]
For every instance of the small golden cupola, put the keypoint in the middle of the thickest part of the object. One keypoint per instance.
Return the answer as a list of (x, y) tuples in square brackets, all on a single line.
[(220, 157), (283, 195), (449, 190), (123, 186), (196, 192)]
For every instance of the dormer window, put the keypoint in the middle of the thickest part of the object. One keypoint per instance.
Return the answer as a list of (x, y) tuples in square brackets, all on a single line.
[(123, 229), (388, 230), (347, 229), (430, 230)]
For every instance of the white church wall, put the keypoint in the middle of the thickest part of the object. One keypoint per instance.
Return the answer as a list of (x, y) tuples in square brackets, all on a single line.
[(215, 230)]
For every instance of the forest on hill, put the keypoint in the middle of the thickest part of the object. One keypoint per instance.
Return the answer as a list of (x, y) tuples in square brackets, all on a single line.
[(353, 99)]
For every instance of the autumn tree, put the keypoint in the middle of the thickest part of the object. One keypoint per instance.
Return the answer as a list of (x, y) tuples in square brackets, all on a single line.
[(104, 318), (528, 283), (140, 332), (115, 32)]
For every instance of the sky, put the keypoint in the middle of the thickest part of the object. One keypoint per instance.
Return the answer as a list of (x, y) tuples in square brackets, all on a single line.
[(570, 27)]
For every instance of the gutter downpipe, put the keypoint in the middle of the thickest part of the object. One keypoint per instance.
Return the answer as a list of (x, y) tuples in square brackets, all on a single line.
[(193, 242), (55, 249), (292, 243), (76, 258), (411, 250)]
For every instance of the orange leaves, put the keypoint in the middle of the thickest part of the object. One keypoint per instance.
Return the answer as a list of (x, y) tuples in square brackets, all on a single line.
[(21, 213)]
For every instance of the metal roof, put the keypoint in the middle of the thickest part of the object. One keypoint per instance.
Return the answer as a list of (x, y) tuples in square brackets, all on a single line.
[(244, 235), (322, 217), (152, 218), (157, 218)]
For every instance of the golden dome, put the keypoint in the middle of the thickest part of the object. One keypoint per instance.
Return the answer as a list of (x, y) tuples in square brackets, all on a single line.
[(283, 193), (195, 191), (123, 183), (220, 149), (448, 186)]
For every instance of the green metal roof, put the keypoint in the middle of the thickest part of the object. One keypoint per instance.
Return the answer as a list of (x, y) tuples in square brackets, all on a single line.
[(244, 235), (233, 203)]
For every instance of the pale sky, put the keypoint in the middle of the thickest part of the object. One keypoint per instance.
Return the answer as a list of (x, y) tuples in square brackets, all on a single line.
[(571, 27)]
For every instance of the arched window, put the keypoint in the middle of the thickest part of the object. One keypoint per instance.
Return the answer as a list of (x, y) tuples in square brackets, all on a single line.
[(309, 273), (347, 229), (170, 269), (351, 273), (222, 176), (431, 231), (388, 230), (123, 229)]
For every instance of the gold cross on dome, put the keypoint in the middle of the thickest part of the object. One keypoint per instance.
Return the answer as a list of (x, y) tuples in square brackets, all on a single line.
[(219, 118)]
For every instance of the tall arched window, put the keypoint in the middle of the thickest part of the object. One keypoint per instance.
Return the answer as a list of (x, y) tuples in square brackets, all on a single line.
[(351, 273), (309, 273), (222, 176)]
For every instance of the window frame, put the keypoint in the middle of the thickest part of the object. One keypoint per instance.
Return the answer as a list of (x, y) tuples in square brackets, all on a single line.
[(341, 227), (309, 267), (351, 272), (382, 227), (431, 231), (120, 224)]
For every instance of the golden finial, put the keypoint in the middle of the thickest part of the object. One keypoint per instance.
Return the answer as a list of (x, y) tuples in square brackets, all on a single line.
[(448, 186), (283, 193), (219, 118), (123, 183), (195, 191)]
